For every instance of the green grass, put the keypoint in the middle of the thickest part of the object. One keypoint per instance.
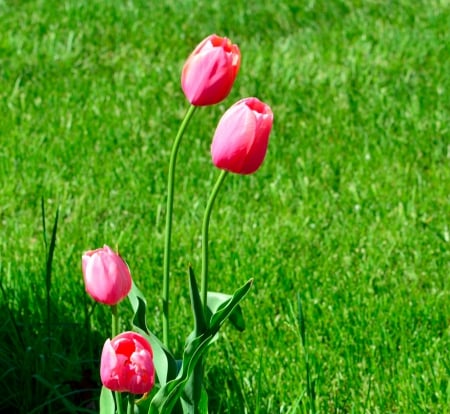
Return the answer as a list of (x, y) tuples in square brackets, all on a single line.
[(351, 208)]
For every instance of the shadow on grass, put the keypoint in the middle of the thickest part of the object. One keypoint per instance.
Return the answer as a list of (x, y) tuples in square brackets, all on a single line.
[(47, 369), (47, 362)]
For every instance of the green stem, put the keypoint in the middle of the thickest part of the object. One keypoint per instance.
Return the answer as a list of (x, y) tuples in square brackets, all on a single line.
[(119, 402), (130, 409), (205, 228), (114, 332), (168, 230), (195, 382), (114, 321)]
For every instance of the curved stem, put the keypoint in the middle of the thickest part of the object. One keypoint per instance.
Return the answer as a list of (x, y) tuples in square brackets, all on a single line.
[(168, 230), (205, 229)]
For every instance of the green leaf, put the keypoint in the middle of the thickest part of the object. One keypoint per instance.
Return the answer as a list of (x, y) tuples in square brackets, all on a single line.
[(107, 405), (216, 299), (200, 325), (165, 363), (139, 306), (188, 408), (203, 406), (229, 306), (193, 388), (166, 398)]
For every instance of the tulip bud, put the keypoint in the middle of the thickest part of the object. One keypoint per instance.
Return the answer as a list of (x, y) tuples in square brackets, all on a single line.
[(106, 276), (242, 135), (209, 72), (127, 364)]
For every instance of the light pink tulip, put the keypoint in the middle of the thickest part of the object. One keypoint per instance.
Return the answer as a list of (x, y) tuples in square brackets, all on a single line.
[(242, 135), (106, 276), (209, 72), (127, 364)]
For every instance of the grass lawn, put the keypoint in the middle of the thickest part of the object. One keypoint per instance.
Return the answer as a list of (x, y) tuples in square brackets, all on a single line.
[(350, 210)]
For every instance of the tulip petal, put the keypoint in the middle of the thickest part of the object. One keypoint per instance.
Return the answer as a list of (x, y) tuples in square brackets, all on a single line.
[(127, 364), (241, 137), (108, 366), (209, 72), (107, 277)]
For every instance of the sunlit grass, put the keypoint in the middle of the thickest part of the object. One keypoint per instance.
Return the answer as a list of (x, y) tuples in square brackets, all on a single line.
[(350, 209)]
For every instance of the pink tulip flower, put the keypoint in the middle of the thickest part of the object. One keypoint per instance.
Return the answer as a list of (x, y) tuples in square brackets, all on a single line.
[(209, 72), (106, 276), (127, 364), (242, 135)]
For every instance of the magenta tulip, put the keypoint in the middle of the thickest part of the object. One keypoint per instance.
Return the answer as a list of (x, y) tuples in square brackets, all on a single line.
[(209, 72), (242, 135), (127, 364), (106, 276)]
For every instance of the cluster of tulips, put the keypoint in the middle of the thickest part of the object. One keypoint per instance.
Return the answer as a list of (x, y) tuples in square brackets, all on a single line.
[(136, 363)]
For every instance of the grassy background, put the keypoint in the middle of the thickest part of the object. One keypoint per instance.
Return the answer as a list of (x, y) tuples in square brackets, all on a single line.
[(350, 209)]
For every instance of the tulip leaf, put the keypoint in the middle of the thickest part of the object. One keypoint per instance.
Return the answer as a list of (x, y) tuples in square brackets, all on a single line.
[(165, 363), (192, 389), (216, 299), (166, 398), (228, 307), (139, 306), (196, 303), (107, 405), (188, 407), (202, 407)]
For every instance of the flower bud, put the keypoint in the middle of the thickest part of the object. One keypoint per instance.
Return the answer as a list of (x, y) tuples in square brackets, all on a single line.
[(106, 276), (242, 135), (209, 72)]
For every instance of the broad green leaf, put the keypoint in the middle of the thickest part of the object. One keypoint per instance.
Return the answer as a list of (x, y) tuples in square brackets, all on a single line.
[(226, 308), (166, 398), (135, 297), (165, 364), (107, 405), (200, 325), (193, 388), (187, 407), (202, 405), (215, 300), (141, 406)]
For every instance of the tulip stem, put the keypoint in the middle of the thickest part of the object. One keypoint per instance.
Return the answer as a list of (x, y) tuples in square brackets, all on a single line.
[(130, 409), (168, 230), (114, 321), (205, 229), (119, 402), (114, 333)]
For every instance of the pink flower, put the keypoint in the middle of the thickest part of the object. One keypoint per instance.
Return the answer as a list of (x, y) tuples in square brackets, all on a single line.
[(106, 276), (209, 72), (242, 135), (127, 364)]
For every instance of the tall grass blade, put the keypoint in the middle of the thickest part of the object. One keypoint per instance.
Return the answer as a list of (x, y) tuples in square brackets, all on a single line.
[(309, 384), (49, 254)]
